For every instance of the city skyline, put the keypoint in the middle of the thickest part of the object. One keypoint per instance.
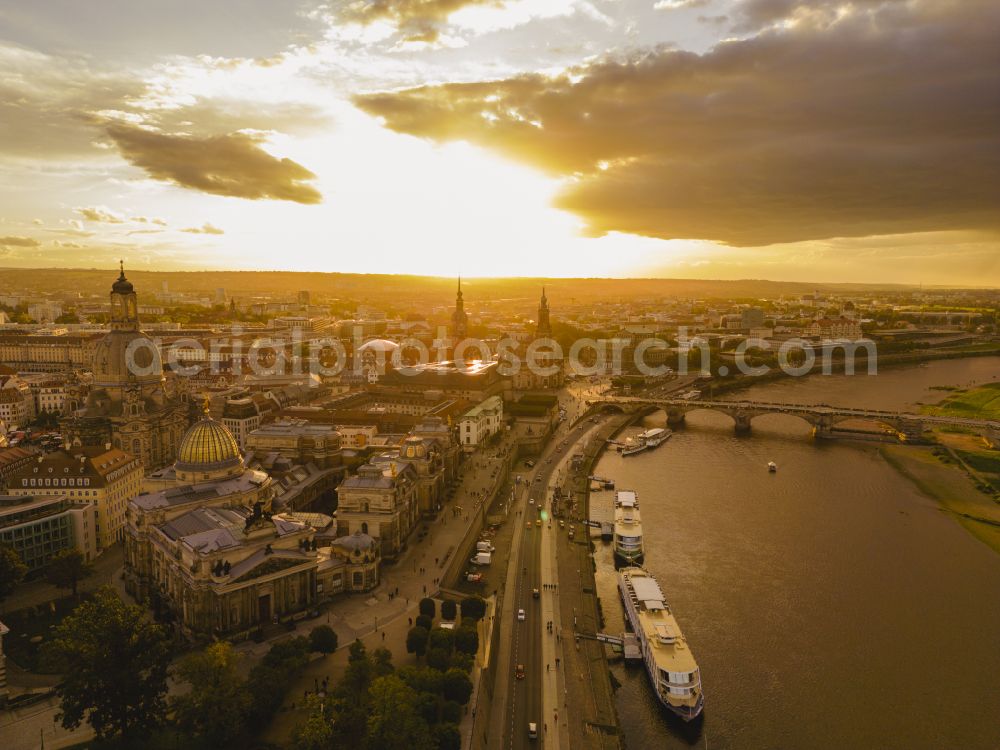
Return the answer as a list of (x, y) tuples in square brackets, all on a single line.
[(816, 142)]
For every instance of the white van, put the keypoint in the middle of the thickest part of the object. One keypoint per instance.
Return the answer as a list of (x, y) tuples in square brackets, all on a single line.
[(532, 730)]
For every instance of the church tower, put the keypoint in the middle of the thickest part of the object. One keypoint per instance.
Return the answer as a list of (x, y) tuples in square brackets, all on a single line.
[(543, 328), (459, 320), (124, 304)]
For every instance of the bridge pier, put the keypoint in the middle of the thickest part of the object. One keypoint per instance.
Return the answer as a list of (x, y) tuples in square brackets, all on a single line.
[(675, 416), (911, 430), (742, 420), (823, 428)]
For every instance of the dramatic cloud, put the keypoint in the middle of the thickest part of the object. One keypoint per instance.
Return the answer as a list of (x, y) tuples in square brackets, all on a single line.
[(234, 164), (100, 215), (864, 122), (205, 228), (9, 242), (417, 20)]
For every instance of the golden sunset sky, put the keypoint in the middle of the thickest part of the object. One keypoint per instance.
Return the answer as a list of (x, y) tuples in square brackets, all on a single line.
[(778, 139)]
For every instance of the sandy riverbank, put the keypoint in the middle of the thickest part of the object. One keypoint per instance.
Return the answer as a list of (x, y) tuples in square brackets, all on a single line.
[(951, 487)]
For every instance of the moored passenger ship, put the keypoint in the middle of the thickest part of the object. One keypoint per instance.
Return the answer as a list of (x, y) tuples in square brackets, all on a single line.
[(628, 527), (670, 664)]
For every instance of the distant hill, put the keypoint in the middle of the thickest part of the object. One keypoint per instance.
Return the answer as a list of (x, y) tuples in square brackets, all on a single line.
[(376, 288)]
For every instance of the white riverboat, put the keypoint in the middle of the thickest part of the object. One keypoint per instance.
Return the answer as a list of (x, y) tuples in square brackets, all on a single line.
[(647, 440), (671, 666), (656, 437), (628, 527)]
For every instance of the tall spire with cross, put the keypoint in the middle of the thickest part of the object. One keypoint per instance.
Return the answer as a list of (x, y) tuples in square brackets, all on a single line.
[(459, 319), (543, 326)]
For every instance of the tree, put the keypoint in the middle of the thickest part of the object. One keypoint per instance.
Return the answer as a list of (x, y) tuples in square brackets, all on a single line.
[(451, 712), (448, 609), (461, 661), (474, 607), (442, 638), (438, 658), (428, 607), (448, 736), (66, 569), (323, 639), (317, 731), (270, 679), (416, 640), (12, 571), (382, 662), (457, 686), (393, 723), (467, 639), (424, 621), (216, 704), (422, 679), (114, 667)]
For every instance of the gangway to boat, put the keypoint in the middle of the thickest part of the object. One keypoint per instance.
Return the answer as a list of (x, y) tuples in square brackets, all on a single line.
[(627, 642), (607, 528)]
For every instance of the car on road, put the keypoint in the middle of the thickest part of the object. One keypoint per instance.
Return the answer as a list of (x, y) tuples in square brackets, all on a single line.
[(562, 524), (531, 501), (534, 593), (529, 524), (538, 522), (538, 479), (529, 463), (519, 672), (532, 730), (520, 615)]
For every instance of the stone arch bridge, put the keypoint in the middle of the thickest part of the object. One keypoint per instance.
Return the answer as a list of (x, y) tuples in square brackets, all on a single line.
[(823, 419)]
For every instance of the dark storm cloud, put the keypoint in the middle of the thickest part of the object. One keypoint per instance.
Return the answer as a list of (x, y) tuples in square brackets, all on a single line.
[(234, 164), (882, 121)]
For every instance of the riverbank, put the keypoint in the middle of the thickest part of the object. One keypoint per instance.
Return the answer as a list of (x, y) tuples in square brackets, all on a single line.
[(589, 692), (733, 384), (951, 487)]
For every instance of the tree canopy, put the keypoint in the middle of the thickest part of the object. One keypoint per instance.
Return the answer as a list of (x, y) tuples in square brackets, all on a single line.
[(12, 571), (217, 703), (114, 666), (67, 569)]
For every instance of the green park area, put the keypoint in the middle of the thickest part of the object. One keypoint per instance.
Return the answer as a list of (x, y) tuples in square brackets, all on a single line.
[(981, 402)]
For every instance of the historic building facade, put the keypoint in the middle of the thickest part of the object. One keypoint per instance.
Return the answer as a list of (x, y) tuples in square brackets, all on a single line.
[(104, 478), (380, 501), (129, 402), (202, 542)]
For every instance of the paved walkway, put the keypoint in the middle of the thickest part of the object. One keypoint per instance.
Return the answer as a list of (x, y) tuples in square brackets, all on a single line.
[(39, 591)]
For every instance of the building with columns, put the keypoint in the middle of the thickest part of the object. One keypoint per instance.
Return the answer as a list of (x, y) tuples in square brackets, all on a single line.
[(203, 543)]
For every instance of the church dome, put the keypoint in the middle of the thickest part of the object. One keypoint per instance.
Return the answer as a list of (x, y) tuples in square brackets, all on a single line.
[(122, 285), (379, 345), (208, 448), (123, 357)]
